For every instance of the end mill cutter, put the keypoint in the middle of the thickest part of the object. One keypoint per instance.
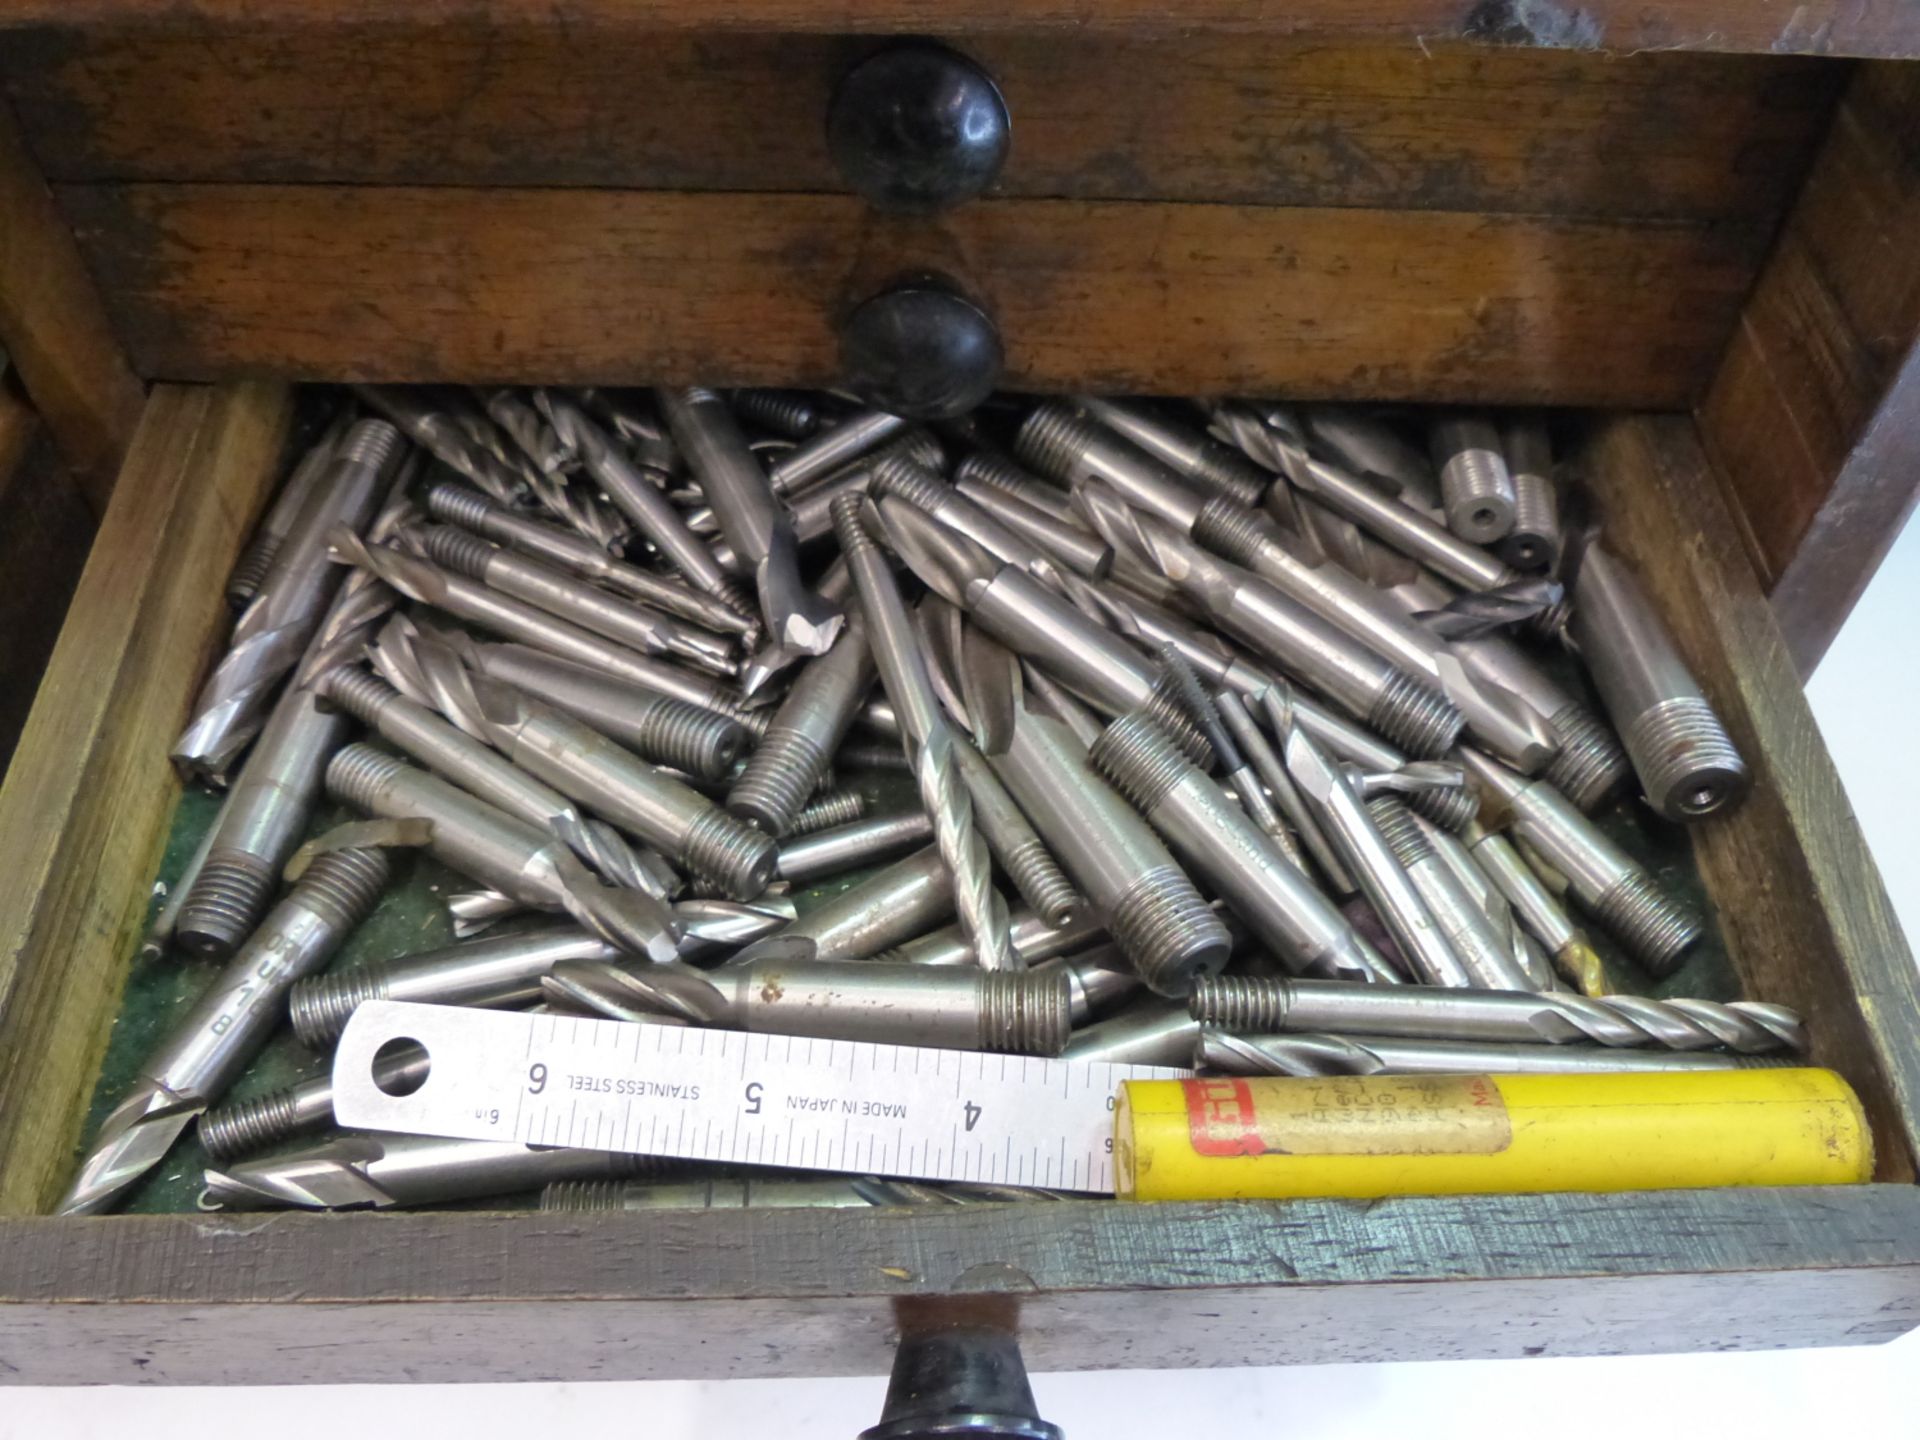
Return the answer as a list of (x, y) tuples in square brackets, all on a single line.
[(1485, 954), (257, 559), (554, 457), (756, 527), (808, 727), (1060, 539), (1381, 1055), (1686, 762), (226, 1027), (1475, 486)]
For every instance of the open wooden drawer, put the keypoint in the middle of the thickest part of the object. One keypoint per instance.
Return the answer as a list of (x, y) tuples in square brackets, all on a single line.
[(1294, 238)]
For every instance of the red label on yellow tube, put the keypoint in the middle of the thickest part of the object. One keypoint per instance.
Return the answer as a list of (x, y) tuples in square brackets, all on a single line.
[(1364, 1136)]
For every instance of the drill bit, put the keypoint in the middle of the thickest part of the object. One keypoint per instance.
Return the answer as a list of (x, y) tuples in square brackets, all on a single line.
[(1375, 1055), (1539, 911), (929, 740), (215, 1040), (1486, 955), (555, 460)]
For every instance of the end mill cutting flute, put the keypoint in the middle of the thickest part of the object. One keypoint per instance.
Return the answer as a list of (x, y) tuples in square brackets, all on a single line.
[(1271, 1005), (1218, 469), (1475, 486), (273, 632), (554, 456), (1214, 837), (1687, 764), (1535, 539), (1378, 1055), (441, 435), (498, 850), (469, 509), (756, 527), (1149, 905), (804, 732), (1609, 884), (928, 738), (1018, 1012), (378, 1172), (1539, 911), (1485, 955), (226, 1027)]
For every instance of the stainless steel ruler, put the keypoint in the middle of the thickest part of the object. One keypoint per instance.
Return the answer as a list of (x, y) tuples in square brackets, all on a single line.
[(730, 1096)]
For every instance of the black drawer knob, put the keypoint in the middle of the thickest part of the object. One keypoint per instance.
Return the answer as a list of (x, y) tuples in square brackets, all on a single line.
[(917, 128), (961, 1384), (922, 350)]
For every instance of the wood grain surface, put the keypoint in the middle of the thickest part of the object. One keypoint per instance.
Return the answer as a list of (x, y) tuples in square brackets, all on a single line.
[(1785, 27), (1814, 416), (53, 329), (83, 811), (593, 286), (1799, 900), (1101, 1285), (1201, 117)]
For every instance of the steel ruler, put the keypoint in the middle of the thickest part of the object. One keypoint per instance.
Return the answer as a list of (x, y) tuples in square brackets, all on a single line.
[(731, 1096)]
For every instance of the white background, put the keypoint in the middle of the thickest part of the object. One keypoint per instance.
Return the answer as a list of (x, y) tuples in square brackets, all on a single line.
[(1867, 700)]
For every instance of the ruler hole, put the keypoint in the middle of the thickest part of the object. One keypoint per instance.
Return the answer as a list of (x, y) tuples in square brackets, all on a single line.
[(400, 1067)]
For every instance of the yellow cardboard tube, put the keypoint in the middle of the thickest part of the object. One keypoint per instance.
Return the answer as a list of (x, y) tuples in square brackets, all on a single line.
[(1272, 1138)]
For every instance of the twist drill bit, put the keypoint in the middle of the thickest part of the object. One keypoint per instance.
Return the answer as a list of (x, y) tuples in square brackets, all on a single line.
[(1147, 902), (1062, 540), (642, 502), (807, 858), (272, 633), (755, 525), (828, 811), (960, 1008), (497, 971), (792, 413), (1486, 956), (1273, 1005), (1033, 940), (256, 561), (1687, 764), (440, 434), (1148, 1032), (808, 727), (555, 458), (1033, 621), (1374, 1055), (1534, 542), (458, 505), (1609, 884), (1215, 838), (928, 738), (1475, 486), (226, 1027), (243, 1127), (1217, 469), (498, 850), (1539, 911), (380, 1172)]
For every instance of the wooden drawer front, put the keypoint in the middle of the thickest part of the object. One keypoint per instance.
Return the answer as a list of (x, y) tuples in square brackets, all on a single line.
[(1182, 214)]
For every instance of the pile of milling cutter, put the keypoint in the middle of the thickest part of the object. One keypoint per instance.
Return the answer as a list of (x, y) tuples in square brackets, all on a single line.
[(1226, 735)]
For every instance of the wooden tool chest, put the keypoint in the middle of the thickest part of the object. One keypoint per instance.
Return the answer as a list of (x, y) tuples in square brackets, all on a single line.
[(1698, 221)]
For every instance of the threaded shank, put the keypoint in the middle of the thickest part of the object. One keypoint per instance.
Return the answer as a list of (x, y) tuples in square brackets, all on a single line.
[(778, 777), (458, 505), (1164, 709), (1452, 808), (691, 737), (1228, 530), (1053, 440), (1136, 755), (321, 1005), (1400, 830), (248, 1125), (1229, 474), (1041, 882), (730, 852), (1476, 489), (1589, 765), (1168, 932), (1025, 1012), (1685, 758), (872, 757), (343, 885), (459, 550), (841, 807), (584, 1195), (1549, 622), (1003, 475), (360, 693), (1415, 716), (244, 583), (1536, 522), (369, 442), (1246, 1004), (357, 774), (898, 474), (781, 411), (1653, 926), (228, 897), (847, 528)]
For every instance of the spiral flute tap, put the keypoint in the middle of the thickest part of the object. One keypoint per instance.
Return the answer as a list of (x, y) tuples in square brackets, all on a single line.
[(557, 593), (804, 732), (243, 1127), (273, 632), (226, 1027), (1017, 1012), (458, 505), (1219, 843), (1610, 884), (1380, 1055), (1539, 911), (437, 431), (1687, 764), (1216, 468), (1534, 541), (256, 561), (1476, 489), (755, 524), (500, 851), (555, 460), (1485, 954), (380, 1172)]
